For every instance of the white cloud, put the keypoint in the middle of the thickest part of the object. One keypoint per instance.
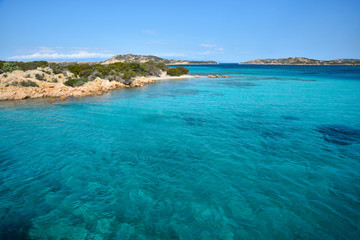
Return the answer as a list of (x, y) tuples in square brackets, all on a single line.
[(213, 49), (208, 45), (54, 55), (207, 52), (149, 32), (45, 49)]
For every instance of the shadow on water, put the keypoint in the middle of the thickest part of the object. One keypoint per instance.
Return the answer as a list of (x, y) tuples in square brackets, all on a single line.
[(287, 79), (339, 134), (238, 84), (217, 94), (263, 78), (174, 93)]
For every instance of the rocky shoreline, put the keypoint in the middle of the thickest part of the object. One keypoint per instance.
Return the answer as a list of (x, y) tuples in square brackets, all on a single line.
[(52, 85)]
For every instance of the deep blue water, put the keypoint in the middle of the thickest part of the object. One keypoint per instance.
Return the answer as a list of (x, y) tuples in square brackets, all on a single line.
[(272, 152)]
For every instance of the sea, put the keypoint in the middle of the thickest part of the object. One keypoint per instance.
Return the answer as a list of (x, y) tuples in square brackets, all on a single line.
[(271, 152)]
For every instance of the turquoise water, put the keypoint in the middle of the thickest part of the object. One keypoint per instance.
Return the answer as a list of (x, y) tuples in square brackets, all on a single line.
[(272, 152)]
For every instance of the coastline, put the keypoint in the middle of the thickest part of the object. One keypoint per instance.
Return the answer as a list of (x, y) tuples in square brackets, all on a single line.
[(279, 64), (58, 91)]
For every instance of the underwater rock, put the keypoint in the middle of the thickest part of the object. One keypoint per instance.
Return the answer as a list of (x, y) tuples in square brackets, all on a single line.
[(339, 134), (274, 134), (15, 228), (238, 84), (288, 117), (194, 121), (174, 93)]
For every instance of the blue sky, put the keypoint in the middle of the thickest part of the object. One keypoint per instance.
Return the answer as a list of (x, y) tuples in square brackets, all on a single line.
[(225, 31)]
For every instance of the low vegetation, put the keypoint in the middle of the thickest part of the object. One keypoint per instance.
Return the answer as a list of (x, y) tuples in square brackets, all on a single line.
[(2, 64), (76, 82), (183, 70), (119, 71), (28, 83), (178, 71), (31, 65), (40, 77), (10, 67), (173, 72)]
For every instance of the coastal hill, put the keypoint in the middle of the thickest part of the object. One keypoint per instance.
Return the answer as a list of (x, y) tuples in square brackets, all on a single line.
[(127, 58), (303, 61)]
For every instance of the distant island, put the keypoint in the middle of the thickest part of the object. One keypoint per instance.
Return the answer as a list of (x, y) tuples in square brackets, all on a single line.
[(302, 61), (127, 58)]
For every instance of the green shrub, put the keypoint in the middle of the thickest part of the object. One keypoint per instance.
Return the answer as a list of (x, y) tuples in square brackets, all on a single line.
[(85, 73), (59, 76), (57, 68), (2, 64), (75, 82), (47, 72), (27, 76), (28, 83), (98, 75), (129, 75), (151, 69), (40, 77), (82, 70), (178, 71), (25, 66), (10, 66), (174, 72), (116, 70), (54, 80), (183, 70), (162, 66), (5, 75)]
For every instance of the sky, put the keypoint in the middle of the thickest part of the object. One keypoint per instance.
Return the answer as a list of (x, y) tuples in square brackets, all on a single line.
[(224, 31)]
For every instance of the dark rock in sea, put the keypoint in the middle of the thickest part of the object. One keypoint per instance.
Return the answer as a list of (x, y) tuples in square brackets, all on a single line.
[(339, 134), (15, 227)]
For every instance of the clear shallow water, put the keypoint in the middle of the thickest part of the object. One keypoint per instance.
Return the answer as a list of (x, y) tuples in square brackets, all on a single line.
[(273, 152)]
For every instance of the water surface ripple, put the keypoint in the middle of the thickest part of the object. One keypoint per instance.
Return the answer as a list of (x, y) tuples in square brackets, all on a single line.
[(272, 152)]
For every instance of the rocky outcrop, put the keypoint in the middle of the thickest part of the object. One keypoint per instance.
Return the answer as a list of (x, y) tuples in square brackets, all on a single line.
[(217, 76), (302, 61), (12, 89), (57, 90), (140, 82)]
